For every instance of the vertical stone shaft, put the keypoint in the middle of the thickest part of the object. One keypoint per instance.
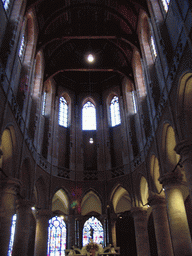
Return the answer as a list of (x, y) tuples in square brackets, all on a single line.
[(180, 234), (22, 230), (9, 189), (141, 232), (161, 225), (41, 236)]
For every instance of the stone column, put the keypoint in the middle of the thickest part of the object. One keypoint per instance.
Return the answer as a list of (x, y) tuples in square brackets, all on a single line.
[(41, 236), (181, 238), (184, 149), (141, 232), (161, 225), (9, 189), (71, 231), (113, 231), (22, 230)]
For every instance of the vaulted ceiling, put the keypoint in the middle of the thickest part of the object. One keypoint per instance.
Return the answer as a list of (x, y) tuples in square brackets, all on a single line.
[(71, 29)]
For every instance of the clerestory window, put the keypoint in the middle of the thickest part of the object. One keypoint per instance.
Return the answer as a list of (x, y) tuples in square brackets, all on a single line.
[(115, 111), (63, 112), (89, 116)]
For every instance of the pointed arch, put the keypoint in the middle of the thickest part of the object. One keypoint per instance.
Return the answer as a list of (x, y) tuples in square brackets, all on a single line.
[(144, 191), (60, 202), (8, 148), (89, 120), (91, 202), (120, 199), (170, 157), (155, 173)]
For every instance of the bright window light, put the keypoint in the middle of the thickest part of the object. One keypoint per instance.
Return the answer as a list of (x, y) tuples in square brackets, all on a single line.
[(89, 116), (56, 244), (44, 102), (22, 47), (115, 111), (91, 141), (134, 102), (63, 112), (90, 58), (153, 47), (6, 4), (166, 4), (14, 218)]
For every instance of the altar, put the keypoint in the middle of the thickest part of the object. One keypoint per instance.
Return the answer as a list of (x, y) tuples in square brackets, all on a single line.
[(93, 249)]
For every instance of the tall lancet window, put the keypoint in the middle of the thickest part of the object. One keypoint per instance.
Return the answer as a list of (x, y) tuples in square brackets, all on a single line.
[(89, 116), (166, 4), (115, 111), (14, 218), (153, 47), (63, 112), (6, 4), (56, 237)]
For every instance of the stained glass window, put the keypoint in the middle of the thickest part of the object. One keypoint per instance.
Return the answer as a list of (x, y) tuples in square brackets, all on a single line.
[(89, 116), (14, 218), (115, 111), (63, 112), (153, 47), (6, 4), (22, 47), (93, 229), (166, 4), (134, 102), (56, 237), (44, 102)]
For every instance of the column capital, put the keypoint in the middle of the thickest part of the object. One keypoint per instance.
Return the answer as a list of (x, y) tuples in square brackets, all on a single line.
[(171, 178), (183, 147), (139, 212), (156, 200), (10, 185), (24, 204), (44, 213)]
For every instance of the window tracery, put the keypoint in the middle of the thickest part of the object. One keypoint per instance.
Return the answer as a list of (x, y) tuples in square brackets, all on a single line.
[(56, 237), (115, 111), (63, 112), (93, 229), (89, 116)]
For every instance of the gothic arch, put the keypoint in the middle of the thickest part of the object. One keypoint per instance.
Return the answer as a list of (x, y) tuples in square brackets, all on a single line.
[(120, 199), (144, 191), (184, 106), (170, 157), (91, 202), (8, 148), (155, 173), (60, 202)]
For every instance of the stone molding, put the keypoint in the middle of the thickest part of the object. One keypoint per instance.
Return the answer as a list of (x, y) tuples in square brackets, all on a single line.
[(11, 185), (139, 213), (183, 148), (171, 178), (156, 200)]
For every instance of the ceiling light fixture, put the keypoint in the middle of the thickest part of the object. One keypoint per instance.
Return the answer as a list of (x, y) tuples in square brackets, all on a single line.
[(90, 58), (91, 141)]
